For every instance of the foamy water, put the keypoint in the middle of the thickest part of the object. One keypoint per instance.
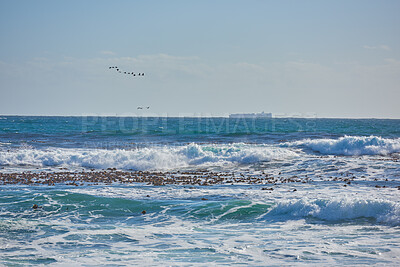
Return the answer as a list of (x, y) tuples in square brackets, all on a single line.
[(333, 199), (352, 145), (148, 158), (236, 224)]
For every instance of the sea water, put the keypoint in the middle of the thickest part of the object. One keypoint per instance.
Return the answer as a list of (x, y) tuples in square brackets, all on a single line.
[(347, 213)]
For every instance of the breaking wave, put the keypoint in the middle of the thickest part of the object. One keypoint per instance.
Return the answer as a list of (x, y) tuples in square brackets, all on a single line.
[(352, 145), (149, 158), (383, 211)]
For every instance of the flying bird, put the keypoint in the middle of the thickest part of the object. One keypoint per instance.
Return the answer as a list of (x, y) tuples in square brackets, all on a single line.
[(125, 72)]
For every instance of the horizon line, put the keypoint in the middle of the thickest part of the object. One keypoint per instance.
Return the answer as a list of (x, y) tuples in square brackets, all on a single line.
[(186, 115)]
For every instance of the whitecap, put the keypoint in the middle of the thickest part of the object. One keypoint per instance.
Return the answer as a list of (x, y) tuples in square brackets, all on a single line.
[(384, 211), (351, 145), (148, 158)]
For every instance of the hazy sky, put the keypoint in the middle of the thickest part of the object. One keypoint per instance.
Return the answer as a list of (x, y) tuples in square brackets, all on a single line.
[(306, 58)]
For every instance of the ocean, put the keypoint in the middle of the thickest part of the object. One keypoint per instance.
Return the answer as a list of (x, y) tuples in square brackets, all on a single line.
[(122, 191)]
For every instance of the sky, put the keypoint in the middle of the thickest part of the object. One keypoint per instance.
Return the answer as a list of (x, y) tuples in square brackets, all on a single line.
[(201, 58)]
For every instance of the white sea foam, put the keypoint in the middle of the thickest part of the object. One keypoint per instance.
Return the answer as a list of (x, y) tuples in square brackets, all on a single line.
[(384, 211), (150, 158), (168, 235), (352, 145)]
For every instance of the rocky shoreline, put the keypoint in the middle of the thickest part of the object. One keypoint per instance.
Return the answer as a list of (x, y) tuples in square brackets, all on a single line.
[(157, 178)]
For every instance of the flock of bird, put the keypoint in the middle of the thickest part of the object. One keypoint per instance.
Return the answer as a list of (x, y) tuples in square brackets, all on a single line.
[(130, 73), (125, 72)]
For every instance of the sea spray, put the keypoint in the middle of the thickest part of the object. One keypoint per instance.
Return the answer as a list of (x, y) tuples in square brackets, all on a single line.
[(351, 145), (147, 158), (287, 192), (339, 210)]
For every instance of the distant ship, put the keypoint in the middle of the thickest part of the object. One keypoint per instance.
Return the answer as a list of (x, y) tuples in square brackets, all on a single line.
[(261, 115)]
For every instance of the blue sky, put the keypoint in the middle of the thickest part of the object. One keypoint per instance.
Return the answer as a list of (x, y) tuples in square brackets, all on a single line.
[(202, 58)]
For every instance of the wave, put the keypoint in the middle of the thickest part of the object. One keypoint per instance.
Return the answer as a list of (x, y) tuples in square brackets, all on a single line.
[(216, 209), (351, 145), (148, 158), (383, 211), (324, 211), (3, 144), (327, 211)]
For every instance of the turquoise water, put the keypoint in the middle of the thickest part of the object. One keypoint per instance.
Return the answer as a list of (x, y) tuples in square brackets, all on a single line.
[(319, 222), (89, 131)]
